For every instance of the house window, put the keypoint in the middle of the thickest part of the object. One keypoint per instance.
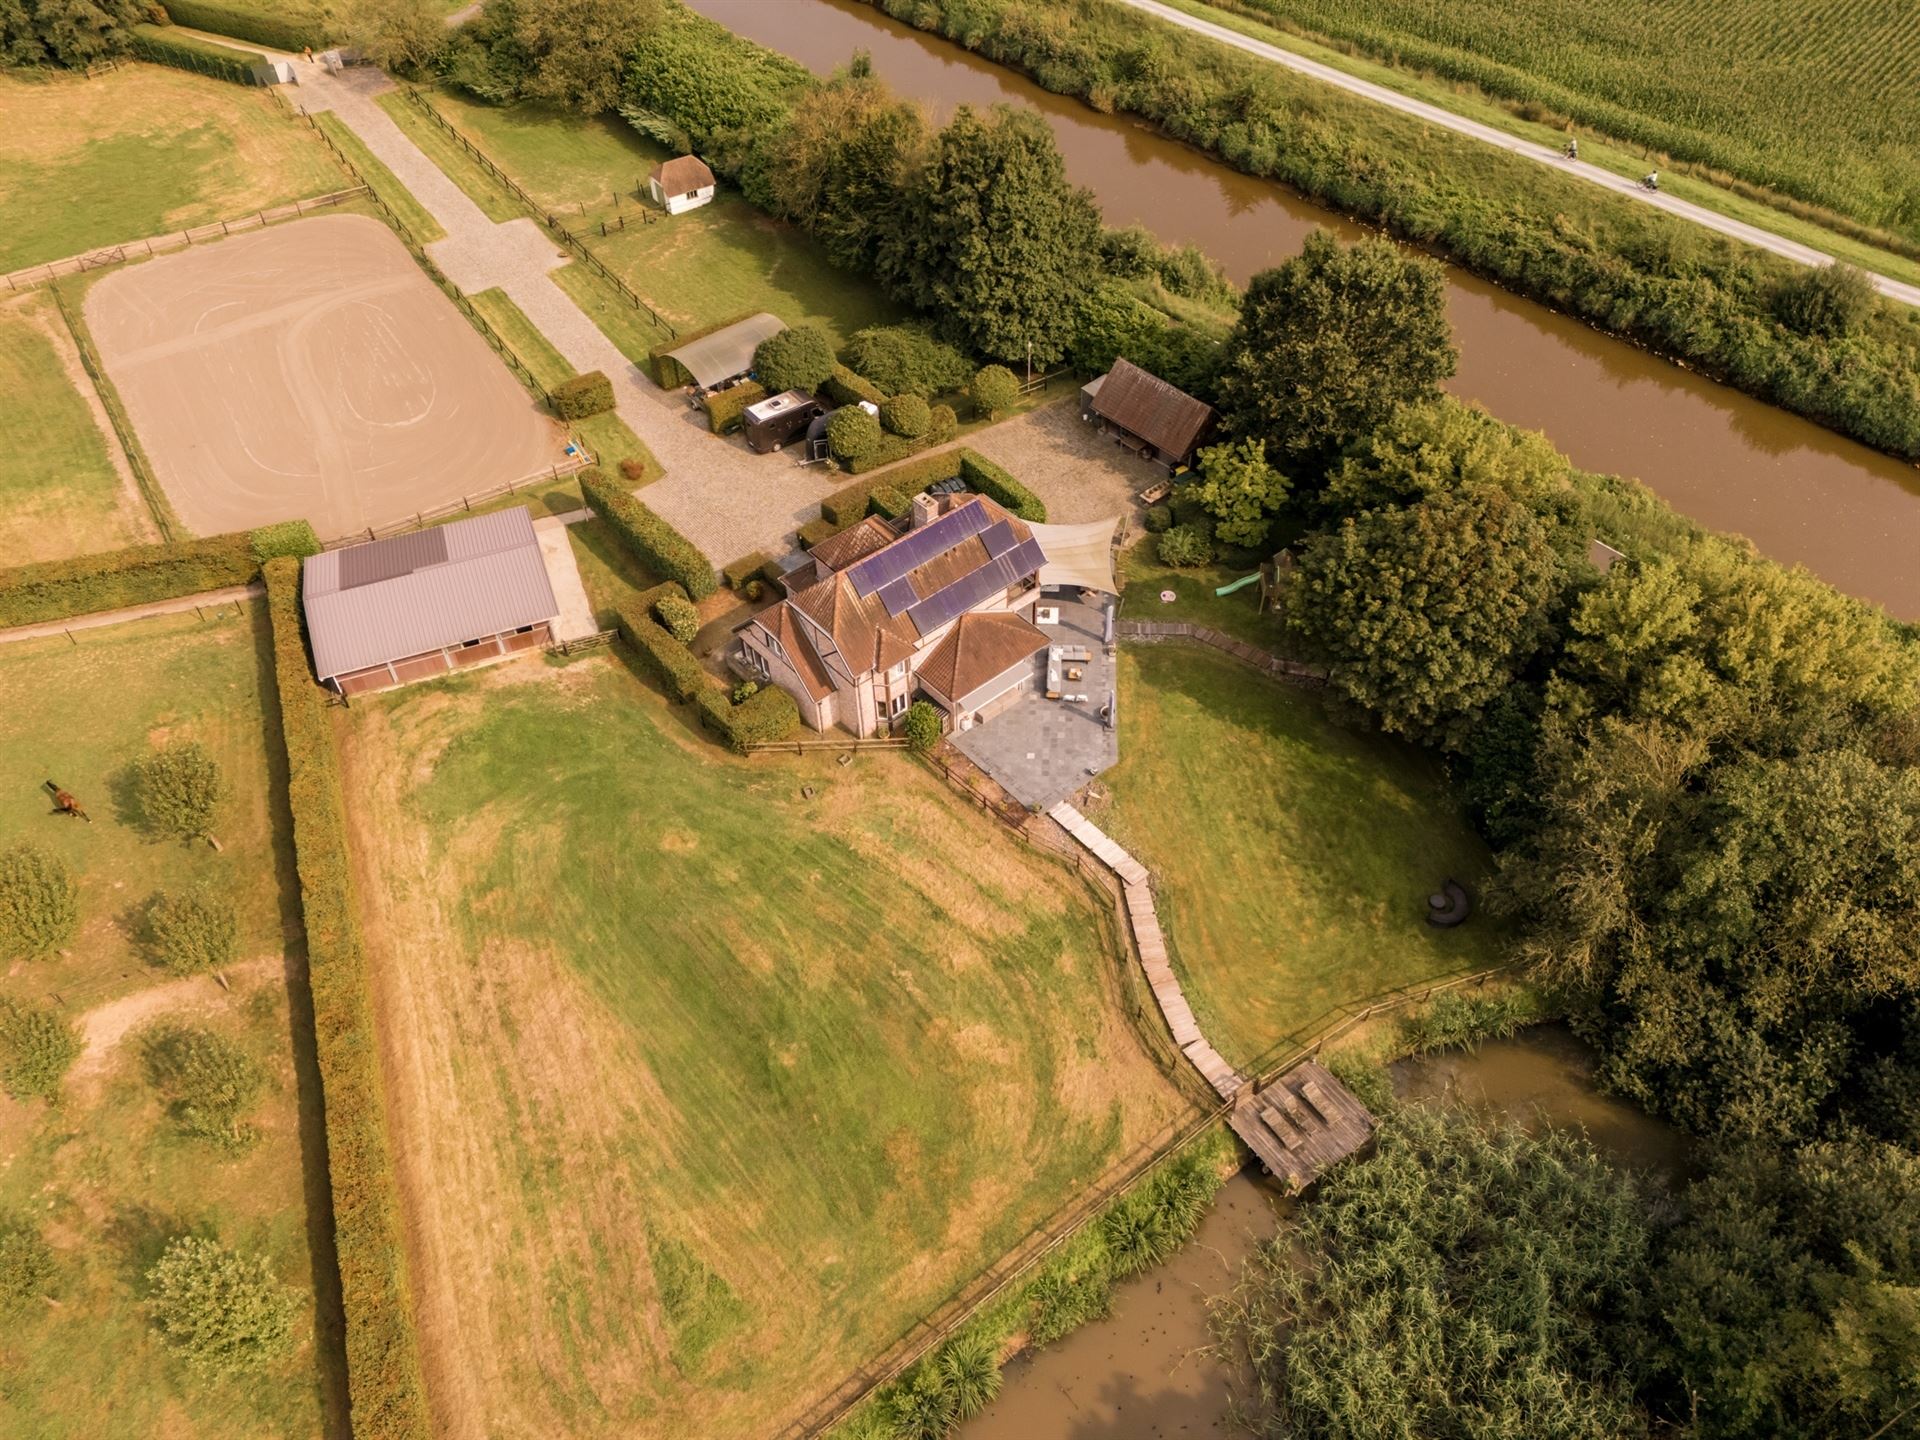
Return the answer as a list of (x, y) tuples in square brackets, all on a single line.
[(898, 670), (899, 703)]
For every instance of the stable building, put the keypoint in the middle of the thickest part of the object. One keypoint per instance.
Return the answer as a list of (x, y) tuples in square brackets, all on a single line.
[(680, 184), (1147, 415), (418, 605)]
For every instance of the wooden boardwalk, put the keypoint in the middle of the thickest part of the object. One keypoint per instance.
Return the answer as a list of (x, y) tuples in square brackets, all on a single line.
[(1151, 941)]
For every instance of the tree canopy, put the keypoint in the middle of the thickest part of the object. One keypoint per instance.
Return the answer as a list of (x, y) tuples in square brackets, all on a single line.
[(224, 1313), (1240, 490), (799, 358)]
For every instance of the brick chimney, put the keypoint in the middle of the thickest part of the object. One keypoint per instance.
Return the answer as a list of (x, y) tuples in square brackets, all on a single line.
[(926, 509)]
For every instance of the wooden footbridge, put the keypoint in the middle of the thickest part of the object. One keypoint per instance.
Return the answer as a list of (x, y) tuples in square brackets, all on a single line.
[(1298, 1125)]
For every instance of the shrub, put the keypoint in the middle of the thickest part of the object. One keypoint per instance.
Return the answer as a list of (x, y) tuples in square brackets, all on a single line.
[(633, 471), (853, 434), (843, 387), (769, 714), (1826, 301), (676, 612), (660, 655), (994, 391), (753, 590), (814, 531), (189, 52), (383, 1360), (1151, 1221), (284, 28), (37, 1048), (207, 1081), (747, 567), (178, 789), (907, 415), (923, 727), (654, 543), (726, 409), (287, 537), (969, 1370), (223, 1312), (800, 358), (137, 575), (745, 691), (1159, 519), (39, 901), (1185, 546), (582, 396), (906, 360), (942, 425), (1073, 1288), (1460, 1021), (986, 478), (26, 1263), (193, 930)]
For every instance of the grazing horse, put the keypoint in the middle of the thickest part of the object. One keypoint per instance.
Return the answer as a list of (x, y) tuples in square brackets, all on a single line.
[(64, 802)]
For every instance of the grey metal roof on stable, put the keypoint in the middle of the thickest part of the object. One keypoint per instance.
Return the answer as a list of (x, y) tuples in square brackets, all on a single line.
[(389, 599), (727, 352)]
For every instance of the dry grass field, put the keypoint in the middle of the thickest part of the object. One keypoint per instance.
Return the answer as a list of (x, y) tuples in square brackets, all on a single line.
[(142, 150), (107, 1174), (703, 1086)]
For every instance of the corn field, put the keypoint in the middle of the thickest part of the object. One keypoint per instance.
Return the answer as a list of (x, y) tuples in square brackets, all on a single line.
[(1814, 98)]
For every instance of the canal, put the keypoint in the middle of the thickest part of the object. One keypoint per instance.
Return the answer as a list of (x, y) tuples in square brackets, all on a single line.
[(1799, 492)]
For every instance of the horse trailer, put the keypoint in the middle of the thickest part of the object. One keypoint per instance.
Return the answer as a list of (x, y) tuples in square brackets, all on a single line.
[(774, 421)]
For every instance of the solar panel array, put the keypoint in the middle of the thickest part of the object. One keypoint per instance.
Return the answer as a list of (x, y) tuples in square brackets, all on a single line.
[(999, 573), (916, 548), (391, 558)]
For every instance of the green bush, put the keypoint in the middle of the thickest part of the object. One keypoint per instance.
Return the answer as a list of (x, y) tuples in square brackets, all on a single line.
[(285, 27), (853, 435), (747, 567), (844, 387), (1185, 546), (906, 360), (137, 575), (923, 727), (179, 790), (37, 1048), (653, 542), (1070, 1290), (994, 391), (745, 691), (768, 714), (800, 358), (287, 537), (383, 1360), (1159, 519), (986, 478), (206, 1080), (668, 373), (1151, 1221), (39, 901), (676, 612), (814, 531), (582, 396), (224, 1313), (942, 425), (726, 409), (160, 46), (1458, 1021), (907, 416), (666, 659), (26, 1263), (888, 503), (194, 930)]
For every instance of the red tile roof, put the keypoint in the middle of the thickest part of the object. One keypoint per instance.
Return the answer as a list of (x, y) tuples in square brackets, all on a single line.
[(978, 649), (778, 621)]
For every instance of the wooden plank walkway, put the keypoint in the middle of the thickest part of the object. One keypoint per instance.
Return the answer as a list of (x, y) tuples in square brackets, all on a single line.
[(1151, 941), (1300, 1124)]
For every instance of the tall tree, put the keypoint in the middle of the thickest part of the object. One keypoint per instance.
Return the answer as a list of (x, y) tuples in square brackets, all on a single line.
[(1240, 490), (404, 35), (1426, 612), (1004, 246), (1330, 344), (576, 50)]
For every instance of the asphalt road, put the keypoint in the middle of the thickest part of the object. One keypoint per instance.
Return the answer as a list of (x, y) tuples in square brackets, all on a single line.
[(1487, 134)]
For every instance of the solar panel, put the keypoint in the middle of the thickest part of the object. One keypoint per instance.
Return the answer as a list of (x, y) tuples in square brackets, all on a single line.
[(389, 559), (898, 595), (916, 547), (998, 538), (953, 601)]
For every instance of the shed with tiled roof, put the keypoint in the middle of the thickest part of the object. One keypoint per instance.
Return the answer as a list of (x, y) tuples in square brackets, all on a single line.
[(1147, 415)]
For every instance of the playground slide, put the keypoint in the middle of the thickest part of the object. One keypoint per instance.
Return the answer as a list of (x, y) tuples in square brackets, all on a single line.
[(1238, 584)]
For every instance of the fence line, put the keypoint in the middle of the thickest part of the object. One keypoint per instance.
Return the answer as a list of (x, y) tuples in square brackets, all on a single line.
[(29, 276), (798, 747), (143, 476), (464, 505), (549, 217), (599, 640)]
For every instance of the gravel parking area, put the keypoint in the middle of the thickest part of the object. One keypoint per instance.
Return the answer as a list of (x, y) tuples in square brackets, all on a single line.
[(1080, 474)]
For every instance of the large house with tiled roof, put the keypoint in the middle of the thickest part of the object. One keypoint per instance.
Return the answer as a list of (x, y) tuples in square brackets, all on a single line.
[(877, 616)]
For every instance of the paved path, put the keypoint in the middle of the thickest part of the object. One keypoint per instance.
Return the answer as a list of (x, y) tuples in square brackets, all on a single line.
[(232, 595), (725, 499), (1491, 135), (575, 621)]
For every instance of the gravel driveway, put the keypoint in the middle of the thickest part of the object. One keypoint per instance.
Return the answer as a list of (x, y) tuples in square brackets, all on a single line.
[(1081, 474)]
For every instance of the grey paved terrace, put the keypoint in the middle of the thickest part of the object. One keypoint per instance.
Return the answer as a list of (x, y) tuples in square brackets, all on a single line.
[(1040, 750)]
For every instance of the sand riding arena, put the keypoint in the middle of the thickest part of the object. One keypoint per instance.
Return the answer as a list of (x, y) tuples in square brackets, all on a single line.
[(311, 370)]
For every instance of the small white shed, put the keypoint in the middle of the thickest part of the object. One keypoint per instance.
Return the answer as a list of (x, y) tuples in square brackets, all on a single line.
[(682, 183)]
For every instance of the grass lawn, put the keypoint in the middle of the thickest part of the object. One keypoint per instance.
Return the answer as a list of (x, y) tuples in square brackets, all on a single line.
[(710, 1086), (106, 1173), (1293, 858), (61, 491), (386, 185), (1143, 578), (142, 150)]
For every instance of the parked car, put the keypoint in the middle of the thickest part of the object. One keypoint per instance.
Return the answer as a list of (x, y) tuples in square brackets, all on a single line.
[(774, 421)]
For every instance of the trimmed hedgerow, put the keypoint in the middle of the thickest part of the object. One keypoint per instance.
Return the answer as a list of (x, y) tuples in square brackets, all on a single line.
[(814, 531), (888, 503), (668, 373), (660, 655), (286, 537), (656, 544), (727, 408), (277, 31), (986, 478), (161, 46), (844, 387), (767, 714), (137, 575), (582, 396), (385, 1388), (747, 567)]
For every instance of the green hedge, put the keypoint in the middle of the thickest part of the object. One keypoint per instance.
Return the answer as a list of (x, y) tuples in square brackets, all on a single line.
[(582, 396), (844, 387), (138, 575), (661, 656), (759, 564), (768, 714), (162, 46), (656, 544), (669, 373), (989, 479), (386, 1393), (814, 531), (287, 537), (725, 408), (889, 503), (289, 30)]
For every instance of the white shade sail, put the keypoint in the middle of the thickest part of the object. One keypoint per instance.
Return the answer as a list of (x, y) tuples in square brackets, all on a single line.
[(1079, 555)]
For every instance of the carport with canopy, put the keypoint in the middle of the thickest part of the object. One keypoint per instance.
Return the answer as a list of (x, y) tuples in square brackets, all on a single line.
[(727, 353)]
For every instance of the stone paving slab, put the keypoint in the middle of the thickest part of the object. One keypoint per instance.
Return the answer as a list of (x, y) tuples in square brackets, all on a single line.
[(563, 573)]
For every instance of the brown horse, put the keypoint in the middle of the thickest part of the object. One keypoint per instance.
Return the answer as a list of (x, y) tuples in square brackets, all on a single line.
[(65, 804)]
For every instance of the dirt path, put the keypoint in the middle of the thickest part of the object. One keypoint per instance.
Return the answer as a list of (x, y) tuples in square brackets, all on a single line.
[(105, 1026), (232, 595), (1490, 135)]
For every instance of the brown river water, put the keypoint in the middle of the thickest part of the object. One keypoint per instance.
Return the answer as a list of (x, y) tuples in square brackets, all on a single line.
[(1142, 1373), (1801, 493)]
